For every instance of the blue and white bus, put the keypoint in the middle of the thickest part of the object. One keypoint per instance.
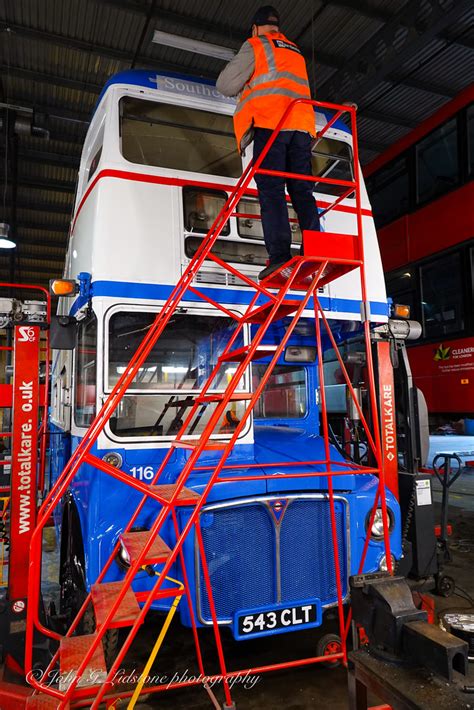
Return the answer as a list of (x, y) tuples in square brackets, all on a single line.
[(158, 163)]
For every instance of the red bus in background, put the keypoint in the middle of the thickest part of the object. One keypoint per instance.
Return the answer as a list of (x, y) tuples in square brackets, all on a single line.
[(422, 195)]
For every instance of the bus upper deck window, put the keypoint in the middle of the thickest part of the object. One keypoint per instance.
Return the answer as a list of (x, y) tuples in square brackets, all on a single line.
[(470, 137), (178, 137), (389, 191), (332, 159), (437, 162)]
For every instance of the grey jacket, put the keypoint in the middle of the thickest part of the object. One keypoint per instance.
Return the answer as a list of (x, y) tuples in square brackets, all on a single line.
[(237, 72)]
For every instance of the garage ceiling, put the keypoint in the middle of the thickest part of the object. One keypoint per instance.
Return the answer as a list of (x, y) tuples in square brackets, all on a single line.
[(398, 60)]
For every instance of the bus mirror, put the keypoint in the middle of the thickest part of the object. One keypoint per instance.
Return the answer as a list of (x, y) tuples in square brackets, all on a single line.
[(63, 333), (300, 353)]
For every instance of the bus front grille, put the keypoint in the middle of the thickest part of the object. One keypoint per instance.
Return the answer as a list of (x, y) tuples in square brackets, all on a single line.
[(268, 551)]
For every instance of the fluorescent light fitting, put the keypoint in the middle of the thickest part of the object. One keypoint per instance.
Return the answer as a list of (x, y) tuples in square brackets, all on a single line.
[(5, 241), (192, 45)]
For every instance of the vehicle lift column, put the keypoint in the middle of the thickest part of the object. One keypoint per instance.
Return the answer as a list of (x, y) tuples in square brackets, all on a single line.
[(23, 491)]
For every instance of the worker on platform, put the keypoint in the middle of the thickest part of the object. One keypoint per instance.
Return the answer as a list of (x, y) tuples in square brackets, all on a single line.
[(267, 74)]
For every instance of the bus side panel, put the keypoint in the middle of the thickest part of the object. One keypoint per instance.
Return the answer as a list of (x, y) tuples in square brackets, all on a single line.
[(444, 371), (439, 225), (142, 218)]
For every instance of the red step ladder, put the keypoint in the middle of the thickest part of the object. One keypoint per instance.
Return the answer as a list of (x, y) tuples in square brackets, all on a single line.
[(115, 604)]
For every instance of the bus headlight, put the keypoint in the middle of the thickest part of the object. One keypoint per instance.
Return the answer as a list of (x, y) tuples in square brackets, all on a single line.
[(113, 459), (383, 563), (376, 532)]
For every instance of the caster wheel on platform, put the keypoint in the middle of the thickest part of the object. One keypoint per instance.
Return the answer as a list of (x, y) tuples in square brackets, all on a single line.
[(445, 585), (327, 645)]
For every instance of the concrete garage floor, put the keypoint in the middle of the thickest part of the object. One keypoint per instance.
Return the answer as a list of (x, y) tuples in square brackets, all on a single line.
[(295, 689)]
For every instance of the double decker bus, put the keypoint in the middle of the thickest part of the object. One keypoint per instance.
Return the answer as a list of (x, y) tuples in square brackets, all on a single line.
[(422, 196), (157, 166)]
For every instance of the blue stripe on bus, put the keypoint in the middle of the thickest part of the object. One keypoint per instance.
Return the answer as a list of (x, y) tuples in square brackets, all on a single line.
[(126, 289)]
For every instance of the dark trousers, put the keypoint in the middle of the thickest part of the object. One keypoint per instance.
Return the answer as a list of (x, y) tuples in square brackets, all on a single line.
[(291, 152)]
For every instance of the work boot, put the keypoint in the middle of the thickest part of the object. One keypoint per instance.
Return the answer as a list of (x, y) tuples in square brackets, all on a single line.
[(270, 269)]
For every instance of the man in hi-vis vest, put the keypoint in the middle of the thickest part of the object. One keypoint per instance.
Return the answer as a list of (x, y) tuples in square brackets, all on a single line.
[(268, 73)]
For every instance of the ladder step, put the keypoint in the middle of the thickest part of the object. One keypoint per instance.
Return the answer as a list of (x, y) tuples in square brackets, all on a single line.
[(219, 396), (104, 596), (72, 650), (186, 495), (241, 353), (134, 542), (260, 315), (194, 443), (44, 702)]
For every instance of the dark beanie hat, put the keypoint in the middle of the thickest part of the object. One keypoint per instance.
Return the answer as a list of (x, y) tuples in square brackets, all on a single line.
[(266, 15)]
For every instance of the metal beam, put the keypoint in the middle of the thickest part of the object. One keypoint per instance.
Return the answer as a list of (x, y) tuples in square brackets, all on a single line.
[(387, 118), (378, 59), (45, 157), (35, 259), (369, 144), (61, 228), (40, 206), (422, 85), (45, 184), (73, 115), (60, 245), (362, 9), (35, 76), (32, 270)]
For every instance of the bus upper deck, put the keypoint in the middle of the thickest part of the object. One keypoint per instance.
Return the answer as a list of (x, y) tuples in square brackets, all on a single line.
[(158, 163)]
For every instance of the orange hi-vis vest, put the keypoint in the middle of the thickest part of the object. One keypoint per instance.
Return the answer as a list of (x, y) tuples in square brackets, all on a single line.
[(279, 77)]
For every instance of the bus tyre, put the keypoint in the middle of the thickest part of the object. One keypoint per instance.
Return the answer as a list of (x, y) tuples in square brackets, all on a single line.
[(73, 586), (327, 645)]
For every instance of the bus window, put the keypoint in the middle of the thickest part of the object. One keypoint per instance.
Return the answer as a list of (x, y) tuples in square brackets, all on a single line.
[(470, 137), (437, 162), (284, 396), (86, 373), (250, 228), (178, 137), (94, 164), (441, 294), (201, 208), (242, 253), (177, 367), (389, 191), (332, 159)]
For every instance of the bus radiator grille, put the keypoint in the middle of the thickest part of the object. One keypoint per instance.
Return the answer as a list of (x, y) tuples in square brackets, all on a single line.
[(244, 543)]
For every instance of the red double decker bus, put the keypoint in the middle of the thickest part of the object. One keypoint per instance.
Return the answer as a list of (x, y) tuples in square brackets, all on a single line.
[(422, 195)]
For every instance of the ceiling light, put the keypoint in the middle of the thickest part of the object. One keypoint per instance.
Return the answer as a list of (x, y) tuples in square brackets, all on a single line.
[(5, 241), (193, 45)]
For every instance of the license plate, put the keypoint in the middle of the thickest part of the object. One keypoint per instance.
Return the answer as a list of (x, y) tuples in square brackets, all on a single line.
[(277, 620)]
